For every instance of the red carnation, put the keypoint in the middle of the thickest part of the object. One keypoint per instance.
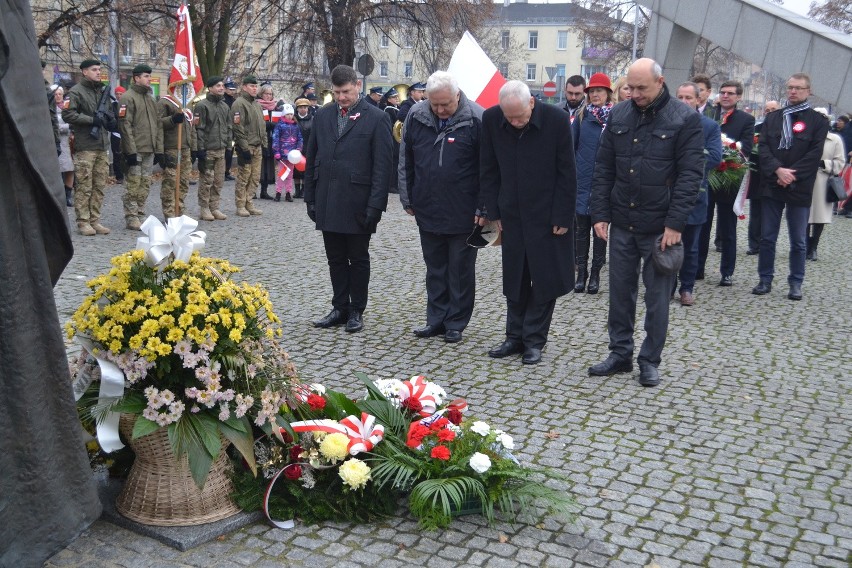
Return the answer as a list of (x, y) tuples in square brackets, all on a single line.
[(412, 404), (441, 453), (446, 435), (316, 402), (723, 166), (295, 451), (285, 435), (439, 424), (293, 472), (416, 433), (454, 416)]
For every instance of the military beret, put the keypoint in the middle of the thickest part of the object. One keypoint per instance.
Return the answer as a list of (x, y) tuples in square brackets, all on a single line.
[(377, 90), (418, 87), (142, 68), (89, 63), (212, 81), (391, 93), (307, 86), (249, 80)]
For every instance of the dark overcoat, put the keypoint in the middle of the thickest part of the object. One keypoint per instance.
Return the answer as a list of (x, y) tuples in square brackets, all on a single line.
[(346, 174), (528, 180), (739, 127)]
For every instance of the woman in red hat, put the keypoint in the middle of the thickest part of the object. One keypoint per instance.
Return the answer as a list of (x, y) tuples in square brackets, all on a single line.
[(587, 129)]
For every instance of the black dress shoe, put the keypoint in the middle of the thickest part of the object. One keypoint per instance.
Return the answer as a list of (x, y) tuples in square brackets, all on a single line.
[(649, 376), (763, 287), (453, 336), (506, 348), (795, 292), (531, 356), (718, 248), (429, 330), (726, 281), (334, 317), (752, 252), (229, 177), (355, 323), (611, 366)]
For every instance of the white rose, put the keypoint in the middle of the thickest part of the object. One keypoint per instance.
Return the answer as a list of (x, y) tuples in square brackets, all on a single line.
[(480, 428), (480, 463), (506, 440)]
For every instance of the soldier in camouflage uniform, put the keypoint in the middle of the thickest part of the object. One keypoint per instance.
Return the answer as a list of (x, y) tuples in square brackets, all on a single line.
[(249, 140), (171, 118), (214, 137), (141, 142), (91, 166)]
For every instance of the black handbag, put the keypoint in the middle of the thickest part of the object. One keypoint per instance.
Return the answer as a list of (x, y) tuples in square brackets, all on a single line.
[(834, 189)]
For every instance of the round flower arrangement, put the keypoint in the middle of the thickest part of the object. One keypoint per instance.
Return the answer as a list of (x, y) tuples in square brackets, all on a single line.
[(729, 174), (189, 349)]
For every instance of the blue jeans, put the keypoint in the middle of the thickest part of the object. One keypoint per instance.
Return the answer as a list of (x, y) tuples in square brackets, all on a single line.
[(797, 227), (690, 238)]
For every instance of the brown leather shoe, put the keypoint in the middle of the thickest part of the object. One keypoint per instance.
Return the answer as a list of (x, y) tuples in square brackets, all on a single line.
[(686, 299)]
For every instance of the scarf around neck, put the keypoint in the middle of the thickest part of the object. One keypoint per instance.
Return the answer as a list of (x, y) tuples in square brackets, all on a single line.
[(268, 105), (600, 112), (787, 125)]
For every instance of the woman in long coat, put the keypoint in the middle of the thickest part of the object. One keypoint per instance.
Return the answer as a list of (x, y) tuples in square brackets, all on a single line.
[(266, 99), (821, 210), (66, 164)]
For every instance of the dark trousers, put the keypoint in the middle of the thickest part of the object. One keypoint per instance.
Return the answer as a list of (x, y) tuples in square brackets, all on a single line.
[(797, 227), (527, 319), (582, 232), (726, 232), (117, 161), (689, 237), (754, 216), (349, 267), (628, 253), (229, 157), (450, 279)]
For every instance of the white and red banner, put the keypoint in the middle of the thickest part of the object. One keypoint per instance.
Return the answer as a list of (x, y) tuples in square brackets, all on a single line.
[(274, 116), (185, 69), (477, 75)]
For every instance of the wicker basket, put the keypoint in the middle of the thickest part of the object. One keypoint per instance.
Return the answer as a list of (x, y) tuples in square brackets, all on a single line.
[(160, 490)]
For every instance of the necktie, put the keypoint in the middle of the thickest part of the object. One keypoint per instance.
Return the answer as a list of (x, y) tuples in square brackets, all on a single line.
[(343, 111)]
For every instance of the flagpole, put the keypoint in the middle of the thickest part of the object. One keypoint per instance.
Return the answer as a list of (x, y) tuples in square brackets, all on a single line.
[(179, 151)]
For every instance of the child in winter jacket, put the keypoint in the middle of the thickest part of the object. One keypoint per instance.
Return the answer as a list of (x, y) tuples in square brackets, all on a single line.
[(287, 136)]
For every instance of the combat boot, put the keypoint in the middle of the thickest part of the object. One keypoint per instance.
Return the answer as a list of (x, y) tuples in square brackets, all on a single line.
[(206, 215), (243, 212), (252, 209), (133, 224), (85, 229), (218, 215), (100, 229)]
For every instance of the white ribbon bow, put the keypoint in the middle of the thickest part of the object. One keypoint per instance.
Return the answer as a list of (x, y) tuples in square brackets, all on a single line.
[(179, 239)]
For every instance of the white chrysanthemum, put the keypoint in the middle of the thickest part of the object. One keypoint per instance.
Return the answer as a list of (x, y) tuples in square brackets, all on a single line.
[(506, 441), (480, 463), (481, 428), (354, 473)]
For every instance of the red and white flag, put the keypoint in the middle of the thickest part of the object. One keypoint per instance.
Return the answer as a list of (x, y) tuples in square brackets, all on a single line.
[(185, 69), (478, 77)]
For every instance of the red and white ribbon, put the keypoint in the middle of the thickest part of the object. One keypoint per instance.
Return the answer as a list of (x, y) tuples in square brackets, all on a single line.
[(363, 433), (418, 388)]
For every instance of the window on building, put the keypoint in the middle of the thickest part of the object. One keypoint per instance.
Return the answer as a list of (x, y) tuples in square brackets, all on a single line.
[(384, 40), (588, 70), (152, 50), (98, 47), (76, 38), (562, 39), (531, 71), (503, 68), (262, 63), (127, 45), (408, 69), (504, 39), (407, 40), (383, 68), (248, 53), (560, 70), (533, 40)]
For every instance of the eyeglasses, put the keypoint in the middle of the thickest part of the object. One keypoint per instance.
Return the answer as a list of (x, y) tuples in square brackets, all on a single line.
[(727, 93), (792, 88)]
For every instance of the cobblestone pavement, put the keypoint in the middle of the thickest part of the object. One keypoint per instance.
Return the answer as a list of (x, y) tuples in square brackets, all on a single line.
[(741, 457)]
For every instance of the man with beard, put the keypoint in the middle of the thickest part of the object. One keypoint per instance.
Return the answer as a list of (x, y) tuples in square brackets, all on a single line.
[(575, 95)]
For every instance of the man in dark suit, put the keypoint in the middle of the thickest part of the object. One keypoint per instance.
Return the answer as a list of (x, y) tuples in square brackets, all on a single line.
[(346, 189), (739, 127), (790, 149), (524, 139)]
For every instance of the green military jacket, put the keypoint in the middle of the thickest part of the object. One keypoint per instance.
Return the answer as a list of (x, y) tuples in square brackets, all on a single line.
[(214, 123), (168, 107), (139, 122), (79, 110), (247, 118)]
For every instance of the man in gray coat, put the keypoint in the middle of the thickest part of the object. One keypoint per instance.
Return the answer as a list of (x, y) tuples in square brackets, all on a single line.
[(347, 177)]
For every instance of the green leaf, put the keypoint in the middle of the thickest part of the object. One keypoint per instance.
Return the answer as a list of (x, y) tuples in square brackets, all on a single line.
[(371, 386), (339, 404), (208, 429), (387, 415), (186, 438), (238, 432), (143, 427)]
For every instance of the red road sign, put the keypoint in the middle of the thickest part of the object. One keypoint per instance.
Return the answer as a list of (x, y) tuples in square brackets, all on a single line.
[(549, 89)]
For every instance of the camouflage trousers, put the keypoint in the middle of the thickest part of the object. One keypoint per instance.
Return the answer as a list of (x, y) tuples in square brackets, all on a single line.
[(210, 185), (248, 177), (91, 168), (167, 189), (137, 184)]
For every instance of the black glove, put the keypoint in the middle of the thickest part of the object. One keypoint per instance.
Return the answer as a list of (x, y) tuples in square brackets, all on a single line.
[(160, 159), (370, 219), (131, 159), (312, 212), (201, 155), (246, 154), (177, 117), (96, 121), (193, 156)]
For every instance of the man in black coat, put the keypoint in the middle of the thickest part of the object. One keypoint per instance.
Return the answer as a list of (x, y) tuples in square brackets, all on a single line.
[(790, 149), (739, 127), (528, 184), (346, 189), (647, 176), (439, 186)]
